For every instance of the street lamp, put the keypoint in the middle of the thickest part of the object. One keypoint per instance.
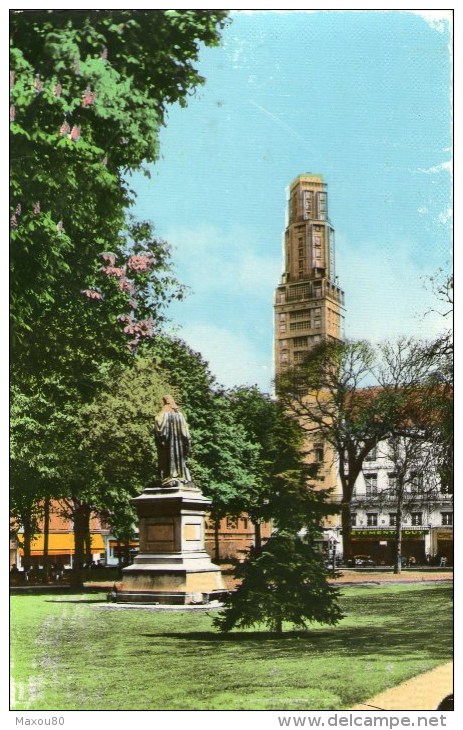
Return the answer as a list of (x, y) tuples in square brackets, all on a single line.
[(333, 543)]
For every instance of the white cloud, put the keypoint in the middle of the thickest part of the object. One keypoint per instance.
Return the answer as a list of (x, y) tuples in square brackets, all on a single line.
[(445, 216), (233, 358), (439, 20), (386, 294), (210, 261), (442, 167)]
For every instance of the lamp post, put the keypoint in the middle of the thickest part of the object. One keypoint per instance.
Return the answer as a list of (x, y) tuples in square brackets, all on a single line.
[(333, 543)]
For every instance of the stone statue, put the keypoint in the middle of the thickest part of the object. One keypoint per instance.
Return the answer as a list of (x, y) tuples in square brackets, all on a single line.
[(172, 443)]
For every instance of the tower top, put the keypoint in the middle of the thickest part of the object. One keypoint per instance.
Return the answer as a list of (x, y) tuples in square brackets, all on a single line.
[(310, 178)]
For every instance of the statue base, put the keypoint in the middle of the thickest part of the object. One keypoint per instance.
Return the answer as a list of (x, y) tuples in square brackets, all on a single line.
[(172, 566)]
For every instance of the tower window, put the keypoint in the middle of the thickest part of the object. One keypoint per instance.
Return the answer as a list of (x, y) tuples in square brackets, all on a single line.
[(372, 519), (446, 518), (299, 326), (299, 314)]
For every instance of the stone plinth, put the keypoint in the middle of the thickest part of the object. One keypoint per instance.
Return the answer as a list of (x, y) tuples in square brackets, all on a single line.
[(172, 566)]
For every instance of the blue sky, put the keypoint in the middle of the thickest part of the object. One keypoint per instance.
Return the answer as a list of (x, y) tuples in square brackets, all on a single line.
[(362, 97)]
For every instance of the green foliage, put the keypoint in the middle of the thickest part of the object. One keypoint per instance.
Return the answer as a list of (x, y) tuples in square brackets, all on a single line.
[(280, 490), (285, 581), (115, 431), (89, 92)]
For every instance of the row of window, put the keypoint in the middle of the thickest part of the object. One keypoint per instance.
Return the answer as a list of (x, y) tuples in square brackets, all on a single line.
[(416, 519), (415, 479)]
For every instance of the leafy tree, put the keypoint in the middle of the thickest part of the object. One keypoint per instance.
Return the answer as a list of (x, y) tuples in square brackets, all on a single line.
[(89, 92), (36, 429), (285, 579), (278, 439), (327, 395)]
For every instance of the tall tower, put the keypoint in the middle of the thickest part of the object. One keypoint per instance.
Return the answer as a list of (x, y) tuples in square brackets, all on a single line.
[(308, 302)]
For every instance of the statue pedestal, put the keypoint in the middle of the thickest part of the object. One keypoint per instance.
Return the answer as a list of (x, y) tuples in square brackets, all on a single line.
[(172, 566)]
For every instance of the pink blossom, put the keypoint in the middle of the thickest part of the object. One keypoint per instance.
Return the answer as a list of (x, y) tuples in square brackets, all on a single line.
[(75, 133), (131, 329), (126, 285), (12, 75), (36, 208), (14, 221), (12, 113), (139, 263), (92, 293), (104, 54), (88, 97), (60, 227), (112, 270), (65, 128), (58, 89)]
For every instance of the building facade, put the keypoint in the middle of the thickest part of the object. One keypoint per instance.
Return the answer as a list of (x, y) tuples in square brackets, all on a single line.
[(426, 515), (427, 519)]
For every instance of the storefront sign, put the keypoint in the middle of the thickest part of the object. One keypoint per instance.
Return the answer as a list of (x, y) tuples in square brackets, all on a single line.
[(387, 533)]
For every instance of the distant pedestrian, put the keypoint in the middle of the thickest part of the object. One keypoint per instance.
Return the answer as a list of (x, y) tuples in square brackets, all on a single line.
[(443, 562)]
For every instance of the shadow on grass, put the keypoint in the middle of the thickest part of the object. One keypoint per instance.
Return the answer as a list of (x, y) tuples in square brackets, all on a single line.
[(77, 600), (355, 642), (399, 625)]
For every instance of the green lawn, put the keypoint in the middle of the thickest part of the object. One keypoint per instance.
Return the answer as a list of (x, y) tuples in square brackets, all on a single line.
[(68, 653)]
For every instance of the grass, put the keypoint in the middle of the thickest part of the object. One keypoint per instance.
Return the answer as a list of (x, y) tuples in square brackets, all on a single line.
[(68, 653)]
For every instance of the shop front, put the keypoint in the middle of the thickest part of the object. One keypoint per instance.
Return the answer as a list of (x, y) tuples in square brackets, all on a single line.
[(61, 548), (380, 545)]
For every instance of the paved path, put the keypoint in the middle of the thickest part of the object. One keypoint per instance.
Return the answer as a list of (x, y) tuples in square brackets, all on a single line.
[(419, 693)]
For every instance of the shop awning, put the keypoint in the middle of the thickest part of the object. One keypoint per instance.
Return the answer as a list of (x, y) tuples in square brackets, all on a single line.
[(62, 543)]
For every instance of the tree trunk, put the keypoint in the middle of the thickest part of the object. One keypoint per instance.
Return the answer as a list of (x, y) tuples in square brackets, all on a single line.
[(26, 519), (216, 539), (398, 539), (278, 625), (46, 533), (88, 541), (346, 523), (81, 518), (119, 556), (127, 552), (257, 535)]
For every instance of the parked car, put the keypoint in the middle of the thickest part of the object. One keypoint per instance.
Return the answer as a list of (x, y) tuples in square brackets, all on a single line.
[(364, 561)]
